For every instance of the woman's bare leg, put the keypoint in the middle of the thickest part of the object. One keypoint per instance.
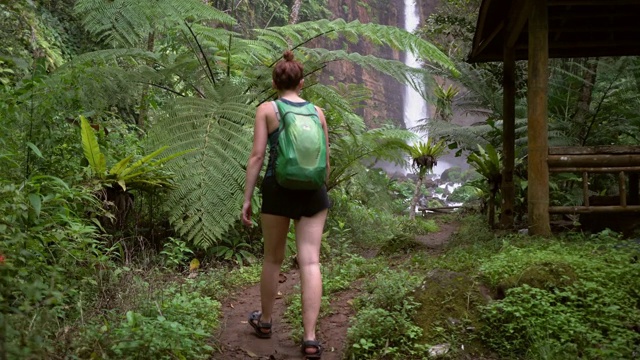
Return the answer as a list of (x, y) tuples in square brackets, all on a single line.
[(274, 231), (308, 238)]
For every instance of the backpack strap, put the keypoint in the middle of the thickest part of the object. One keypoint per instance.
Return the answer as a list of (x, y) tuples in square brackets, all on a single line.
[(277, 110), (275, 107)]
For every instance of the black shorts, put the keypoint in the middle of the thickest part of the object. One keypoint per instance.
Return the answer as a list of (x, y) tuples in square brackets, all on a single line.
[(293, 204)]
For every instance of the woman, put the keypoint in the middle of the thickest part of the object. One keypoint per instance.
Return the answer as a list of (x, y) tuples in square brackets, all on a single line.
[(307, 208)]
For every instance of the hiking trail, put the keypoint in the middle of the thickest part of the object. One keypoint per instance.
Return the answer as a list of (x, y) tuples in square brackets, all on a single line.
[(236, 339)]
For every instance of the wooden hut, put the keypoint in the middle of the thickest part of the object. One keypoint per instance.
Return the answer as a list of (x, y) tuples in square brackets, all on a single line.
[(536, 30)]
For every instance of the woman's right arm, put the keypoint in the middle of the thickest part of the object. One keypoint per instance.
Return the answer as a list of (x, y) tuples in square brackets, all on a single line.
[(256, 159)]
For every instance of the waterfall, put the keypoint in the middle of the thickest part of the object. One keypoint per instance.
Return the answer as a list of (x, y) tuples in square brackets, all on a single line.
[(414, 106)]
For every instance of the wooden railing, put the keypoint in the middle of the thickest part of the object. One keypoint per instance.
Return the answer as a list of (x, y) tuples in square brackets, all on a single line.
[(623, 160)]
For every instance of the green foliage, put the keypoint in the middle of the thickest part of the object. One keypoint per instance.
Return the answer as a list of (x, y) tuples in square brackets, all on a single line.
[(30, 30), (588, 318), (349, 151), (210, 179), (383, 327), (425, 155), (465, 194), (371, 227), (452, 25), (52, 258), (143, 174), (473, 241), (529, 316), (344, 271), (177, 326), (389, 290), (217, 283), (176, 252), (234, 249), (488, 163), (126, 23)]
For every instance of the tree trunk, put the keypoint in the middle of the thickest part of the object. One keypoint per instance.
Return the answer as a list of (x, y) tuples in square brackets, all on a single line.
[(144, 101), (416, 196), (492, 210), (295, 11), (584, 101)]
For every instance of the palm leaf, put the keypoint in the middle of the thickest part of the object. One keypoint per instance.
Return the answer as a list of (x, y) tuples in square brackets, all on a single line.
[(91, 149)]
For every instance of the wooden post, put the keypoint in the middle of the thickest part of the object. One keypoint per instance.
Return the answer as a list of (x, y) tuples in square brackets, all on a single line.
[(508, 138), (623, 189), (538, 192), (634, 189), (585, 188)]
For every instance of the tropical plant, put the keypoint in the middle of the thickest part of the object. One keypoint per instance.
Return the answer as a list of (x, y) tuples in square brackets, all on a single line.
[(143, 174), (233, 249), (352, 151), (444, 100), (146, 174), (211, 82), (488, 163), (424, 157)]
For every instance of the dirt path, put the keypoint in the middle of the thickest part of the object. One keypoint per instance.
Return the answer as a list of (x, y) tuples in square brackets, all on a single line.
[(237, 340)]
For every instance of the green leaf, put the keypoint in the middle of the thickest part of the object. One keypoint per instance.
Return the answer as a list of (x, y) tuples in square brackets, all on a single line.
[(122, 184), (120, 166), (142, 161), (35, 149), (36, 203), (91, 149)]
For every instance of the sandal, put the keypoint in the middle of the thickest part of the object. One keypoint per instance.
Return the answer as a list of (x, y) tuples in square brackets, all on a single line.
[(311, 344), (262, 329)]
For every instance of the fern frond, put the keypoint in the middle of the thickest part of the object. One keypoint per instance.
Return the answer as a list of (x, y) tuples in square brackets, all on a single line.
[(129, 22), (209, 179), (402, 73), (350, 151), (302, 33)]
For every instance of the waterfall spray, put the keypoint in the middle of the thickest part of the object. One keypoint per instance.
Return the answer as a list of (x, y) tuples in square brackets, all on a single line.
[(414, 106)]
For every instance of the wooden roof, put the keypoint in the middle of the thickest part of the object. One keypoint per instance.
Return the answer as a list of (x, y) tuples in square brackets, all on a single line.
[(577, 28)]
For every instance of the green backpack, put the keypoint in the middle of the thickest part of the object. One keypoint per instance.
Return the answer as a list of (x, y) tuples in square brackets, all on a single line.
[(301, 163)]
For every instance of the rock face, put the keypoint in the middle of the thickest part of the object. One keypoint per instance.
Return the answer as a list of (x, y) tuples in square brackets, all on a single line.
[(385, 105)]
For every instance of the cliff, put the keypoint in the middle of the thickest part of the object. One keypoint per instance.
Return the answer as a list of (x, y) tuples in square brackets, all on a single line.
[(386, 102), (385, 105)]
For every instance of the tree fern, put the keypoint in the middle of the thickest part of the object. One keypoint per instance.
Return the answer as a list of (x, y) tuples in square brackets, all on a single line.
[(213, 79), (210, 179), (128, 23), (350, 151)]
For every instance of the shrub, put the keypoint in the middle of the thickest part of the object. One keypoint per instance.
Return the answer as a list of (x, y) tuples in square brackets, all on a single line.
[(383, 325), (178, 326), (584, 303), (51, 257)]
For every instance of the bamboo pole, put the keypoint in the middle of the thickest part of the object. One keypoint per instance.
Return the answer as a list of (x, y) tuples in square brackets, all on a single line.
[(596, 169), (594, 160), (508, 138), (593, 209), (591, 150), (538, 191)]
